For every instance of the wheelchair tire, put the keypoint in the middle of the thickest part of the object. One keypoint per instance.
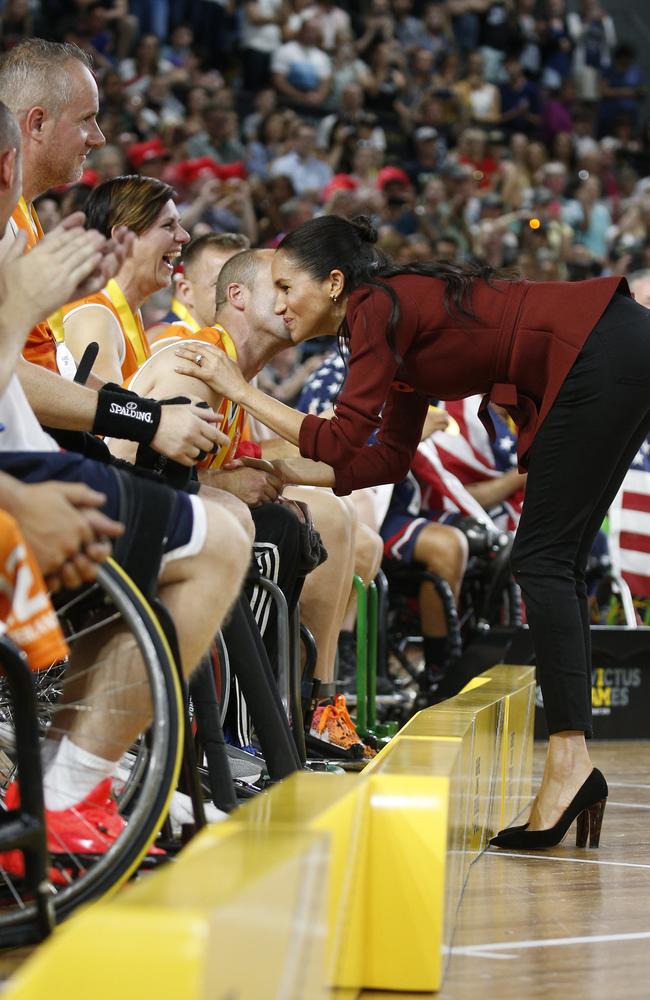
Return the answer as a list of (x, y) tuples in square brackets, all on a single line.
[(151, 765)]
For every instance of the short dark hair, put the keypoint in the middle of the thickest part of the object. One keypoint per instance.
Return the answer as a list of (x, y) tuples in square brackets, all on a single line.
[(132, 201), (216, 241)]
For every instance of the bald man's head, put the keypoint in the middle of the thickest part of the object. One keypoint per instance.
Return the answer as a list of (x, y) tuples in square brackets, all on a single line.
[(246, 285)]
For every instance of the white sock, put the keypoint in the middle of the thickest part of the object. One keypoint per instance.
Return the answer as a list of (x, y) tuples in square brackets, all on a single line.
[(49, 749), (73, 774), (180, 812)]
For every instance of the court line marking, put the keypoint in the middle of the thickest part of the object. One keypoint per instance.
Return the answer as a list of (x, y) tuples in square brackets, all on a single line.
[(628, 805), (625, 784), (555, 857), (487, 950)]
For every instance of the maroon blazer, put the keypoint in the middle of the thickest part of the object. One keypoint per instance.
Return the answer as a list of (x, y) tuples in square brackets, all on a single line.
[(516, 351)]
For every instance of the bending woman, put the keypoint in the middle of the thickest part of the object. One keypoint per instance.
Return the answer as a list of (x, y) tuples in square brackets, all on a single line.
[(571, 364)]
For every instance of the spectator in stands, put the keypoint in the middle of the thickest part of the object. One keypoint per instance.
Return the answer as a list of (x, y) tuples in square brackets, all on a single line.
[(138, 72), (556, 43), (107, 163), (437, 34), (305, 169), (388, 79), (623, 86), (592, 230), (408, 29), (302, 72), (378, 26), (331, 20), (429, 155), (347, 69), (261, 36), (219, 137), (594, 37), (528, 28), (521, 104), (478, 97)]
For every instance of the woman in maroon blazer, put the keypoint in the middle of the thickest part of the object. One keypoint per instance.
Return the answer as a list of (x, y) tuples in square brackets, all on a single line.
[(570, 362)]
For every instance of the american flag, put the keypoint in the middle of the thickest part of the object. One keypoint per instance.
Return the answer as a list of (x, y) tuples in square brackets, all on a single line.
[(439, 489), (472, 457), (629, 525)]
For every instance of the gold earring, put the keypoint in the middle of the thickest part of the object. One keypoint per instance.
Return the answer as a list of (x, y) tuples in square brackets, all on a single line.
[(333, 296)]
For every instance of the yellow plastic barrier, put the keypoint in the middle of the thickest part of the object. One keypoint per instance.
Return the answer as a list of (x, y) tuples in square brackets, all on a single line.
[(348, 881)]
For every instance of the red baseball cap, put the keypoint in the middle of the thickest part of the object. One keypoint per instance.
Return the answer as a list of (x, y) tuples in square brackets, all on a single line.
[(189, 171), (392, 175), (142, 152), (339, 182)]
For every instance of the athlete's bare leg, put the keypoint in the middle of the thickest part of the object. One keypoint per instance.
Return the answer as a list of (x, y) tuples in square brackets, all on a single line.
[(198, 590), (325, 592)]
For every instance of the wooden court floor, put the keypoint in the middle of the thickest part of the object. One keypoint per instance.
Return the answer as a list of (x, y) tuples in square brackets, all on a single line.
[(563, 923)]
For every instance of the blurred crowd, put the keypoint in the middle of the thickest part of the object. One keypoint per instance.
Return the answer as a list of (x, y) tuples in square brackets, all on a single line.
[(507, 130)]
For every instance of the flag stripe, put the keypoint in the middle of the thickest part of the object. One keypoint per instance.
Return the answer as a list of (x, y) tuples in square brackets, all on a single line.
[(634, 540), (636, 501)]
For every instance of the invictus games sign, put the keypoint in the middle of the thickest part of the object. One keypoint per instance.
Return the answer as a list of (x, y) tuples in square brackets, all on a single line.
[(620, 684)]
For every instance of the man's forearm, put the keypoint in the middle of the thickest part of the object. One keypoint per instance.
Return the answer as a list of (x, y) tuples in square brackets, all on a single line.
[(56, 401)]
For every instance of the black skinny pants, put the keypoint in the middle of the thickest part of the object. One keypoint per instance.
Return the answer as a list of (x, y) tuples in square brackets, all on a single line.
[(578, 460)]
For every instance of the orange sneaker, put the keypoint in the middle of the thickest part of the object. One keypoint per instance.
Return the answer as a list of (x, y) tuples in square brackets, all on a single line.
[(332, 724)]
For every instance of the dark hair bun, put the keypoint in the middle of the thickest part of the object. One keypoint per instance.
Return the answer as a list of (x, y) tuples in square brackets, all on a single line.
[(365, 229)]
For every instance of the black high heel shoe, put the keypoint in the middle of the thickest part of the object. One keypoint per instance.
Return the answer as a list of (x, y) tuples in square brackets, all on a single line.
[(588, 807)]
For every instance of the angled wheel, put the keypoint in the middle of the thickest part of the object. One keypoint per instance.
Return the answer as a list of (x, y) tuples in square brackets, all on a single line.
[(117, 648)]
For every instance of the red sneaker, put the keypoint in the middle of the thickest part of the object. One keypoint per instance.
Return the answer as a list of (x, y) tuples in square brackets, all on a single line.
[(89, 827)]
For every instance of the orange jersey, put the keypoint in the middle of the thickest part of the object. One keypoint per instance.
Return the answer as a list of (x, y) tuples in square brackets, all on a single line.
[(26, 614), (134, 346), (40, 347), (233, 416)]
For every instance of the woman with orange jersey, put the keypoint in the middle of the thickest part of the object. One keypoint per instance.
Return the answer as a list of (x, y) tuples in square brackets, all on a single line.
[(112, 317)]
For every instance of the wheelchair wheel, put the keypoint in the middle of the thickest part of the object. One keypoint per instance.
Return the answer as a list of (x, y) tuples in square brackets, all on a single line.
[(110, 616)]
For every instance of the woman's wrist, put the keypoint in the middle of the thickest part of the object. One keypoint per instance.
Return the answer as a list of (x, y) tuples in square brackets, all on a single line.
[(246, 396)]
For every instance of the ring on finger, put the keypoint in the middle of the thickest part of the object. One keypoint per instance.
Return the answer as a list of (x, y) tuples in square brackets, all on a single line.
[(198, 360)]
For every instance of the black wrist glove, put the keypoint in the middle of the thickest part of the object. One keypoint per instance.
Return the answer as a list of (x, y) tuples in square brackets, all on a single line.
[(124, 414), (166, 469)]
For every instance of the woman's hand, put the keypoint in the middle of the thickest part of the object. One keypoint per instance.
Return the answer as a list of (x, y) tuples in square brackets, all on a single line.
[(214, 367)]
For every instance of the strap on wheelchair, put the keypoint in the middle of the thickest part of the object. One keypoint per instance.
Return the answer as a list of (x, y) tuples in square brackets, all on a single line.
[(146, 510)]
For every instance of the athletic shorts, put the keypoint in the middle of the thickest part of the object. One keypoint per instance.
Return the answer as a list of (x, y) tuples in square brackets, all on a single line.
[(400, 532), (187, 533)]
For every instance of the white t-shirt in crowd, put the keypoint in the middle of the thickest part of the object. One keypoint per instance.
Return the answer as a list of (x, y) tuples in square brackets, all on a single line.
[(304, 66), (263, 37)]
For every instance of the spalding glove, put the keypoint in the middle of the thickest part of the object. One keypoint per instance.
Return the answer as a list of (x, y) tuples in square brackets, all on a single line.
[(124, 414)]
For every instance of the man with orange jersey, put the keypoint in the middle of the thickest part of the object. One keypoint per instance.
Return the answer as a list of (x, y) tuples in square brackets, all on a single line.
[(52, 93), (239, 317)]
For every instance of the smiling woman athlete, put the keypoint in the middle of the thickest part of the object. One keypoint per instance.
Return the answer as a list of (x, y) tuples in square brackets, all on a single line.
[(570, 362), (112, 317)]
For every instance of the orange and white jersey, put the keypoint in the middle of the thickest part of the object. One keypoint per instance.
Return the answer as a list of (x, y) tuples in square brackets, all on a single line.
[(26, 614), (41, 347), (133, 346), (233, 416)]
